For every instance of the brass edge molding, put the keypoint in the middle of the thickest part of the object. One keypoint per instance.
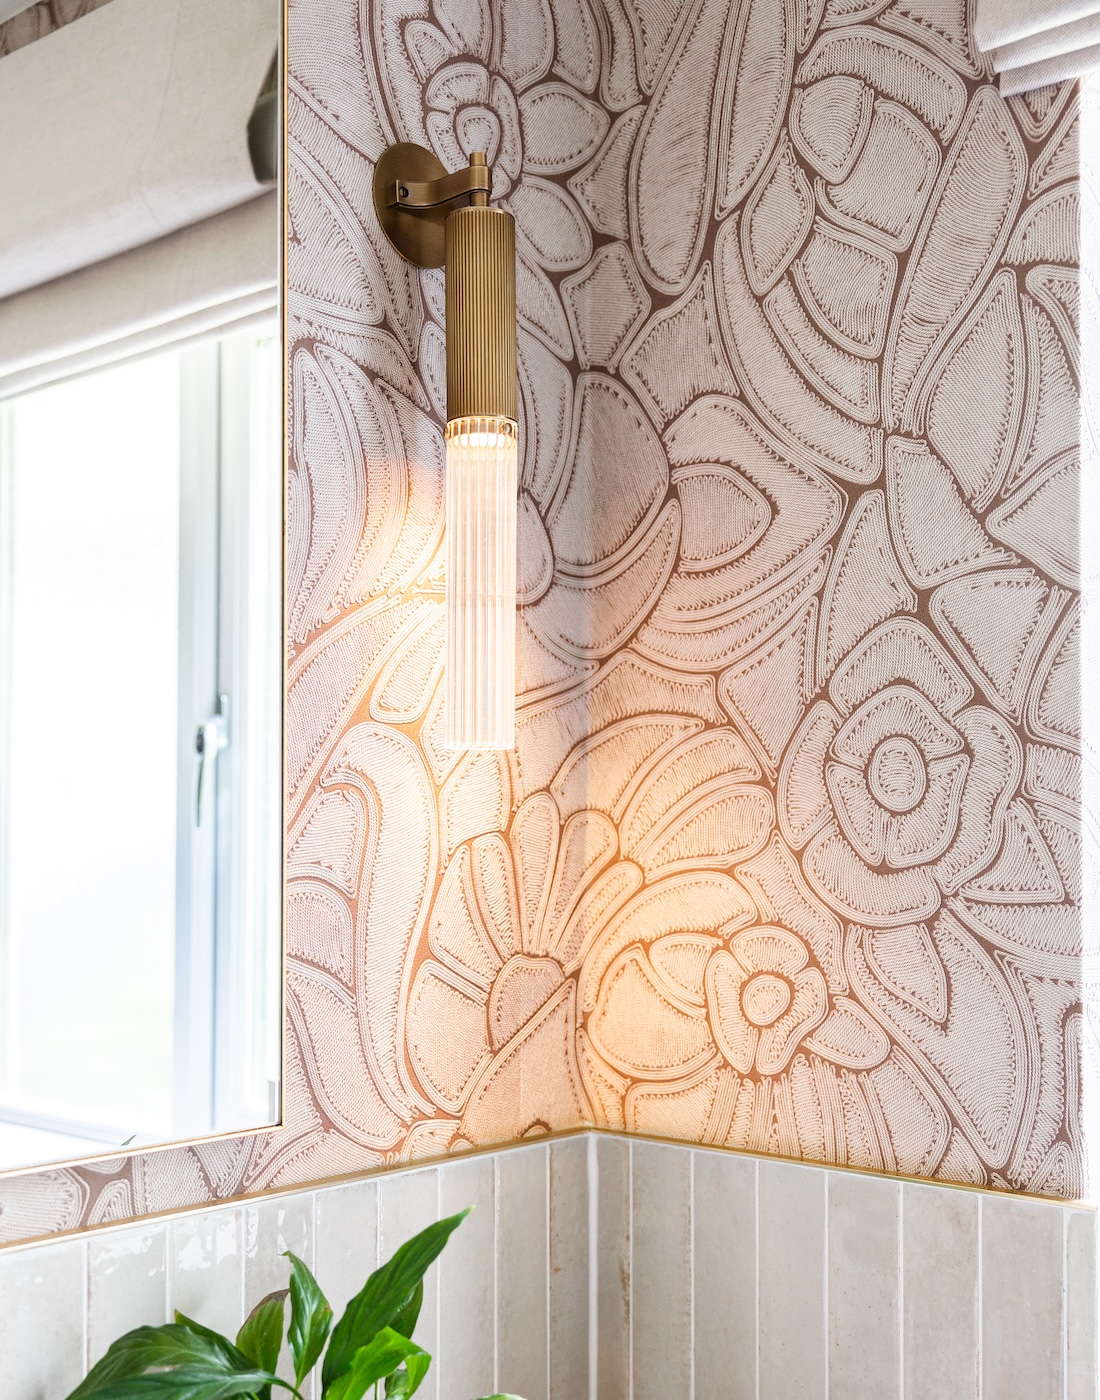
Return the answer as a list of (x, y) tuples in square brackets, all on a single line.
[(587, 1130)]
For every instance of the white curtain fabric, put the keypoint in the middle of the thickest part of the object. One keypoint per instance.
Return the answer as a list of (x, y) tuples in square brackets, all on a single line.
[(1036, 42), (217, 275), (124, 126)]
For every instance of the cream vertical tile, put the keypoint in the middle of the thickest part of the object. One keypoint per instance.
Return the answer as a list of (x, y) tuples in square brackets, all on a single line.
[(613, 1261), (127, 1283), (408, 1201), (466, 1281), (863, 1287), (206, 1268), (792, 1282), (42, 1299), (724, 1247), (271, 1227), (1081, 1377), (939, 1292), (661, 1271), (569, 1339), (346, 1243), (522, 1271), (1021, 1300)]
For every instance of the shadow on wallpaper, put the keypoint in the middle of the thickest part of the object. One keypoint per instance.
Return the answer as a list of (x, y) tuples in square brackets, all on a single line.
[(787, 857)]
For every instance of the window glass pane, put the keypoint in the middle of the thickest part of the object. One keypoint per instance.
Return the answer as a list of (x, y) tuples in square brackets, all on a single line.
[(87, 907)]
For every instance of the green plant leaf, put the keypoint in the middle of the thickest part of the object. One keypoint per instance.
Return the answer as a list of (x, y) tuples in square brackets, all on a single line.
[(405, 1381), (404, 1320), (174, 1344), (199, 1381), (220, 1344), (386, 1293), (374, 1362), (310, 1318), (261, 1337)]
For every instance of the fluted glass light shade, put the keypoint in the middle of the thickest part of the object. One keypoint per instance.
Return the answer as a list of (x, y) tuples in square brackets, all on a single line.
[(481, 479), (481, 583)]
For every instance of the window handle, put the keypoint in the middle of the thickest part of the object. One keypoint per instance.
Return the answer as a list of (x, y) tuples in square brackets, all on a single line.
[(211, 737)]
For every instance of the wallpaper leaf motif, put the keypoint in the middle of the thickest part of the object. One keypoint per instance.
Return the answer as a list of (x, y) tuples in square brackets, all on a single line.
[(787, 855)]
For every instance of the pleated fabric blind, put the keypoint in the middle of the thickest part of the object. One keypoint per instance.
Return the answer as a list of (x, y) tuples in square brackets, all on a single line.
[(130, 216), (1036, 42)]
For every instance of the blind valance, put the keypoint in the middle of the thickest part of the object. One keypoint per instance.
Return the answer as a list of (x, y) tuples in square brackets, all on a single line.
[(1036, 42)]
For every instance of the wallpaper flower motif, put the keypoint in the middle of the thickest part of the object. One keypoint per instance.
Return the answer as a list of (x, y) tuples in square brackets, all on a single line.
[(788, 854)]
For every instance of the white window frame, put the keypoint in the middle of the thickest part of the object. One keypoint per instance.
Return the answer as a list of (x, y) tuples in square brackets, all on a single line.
[(228, 963)]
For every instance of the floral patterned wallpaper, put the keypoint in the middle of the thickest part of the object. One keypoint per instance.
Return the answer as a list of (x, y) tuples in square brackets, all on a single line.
[(787, 857)]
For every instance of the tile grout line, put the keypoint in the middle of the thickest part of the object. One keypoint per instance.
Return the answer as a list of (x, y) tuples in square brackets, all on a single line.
[(901, 1291), (85, 1265), (1065, 1305), (825, 1282), (630, 1270), (496, 1272), (592, 1167), (438, 1276), (756, 1274), (548, 1186), (691, 1279), (981, 1303), (313, 1195)]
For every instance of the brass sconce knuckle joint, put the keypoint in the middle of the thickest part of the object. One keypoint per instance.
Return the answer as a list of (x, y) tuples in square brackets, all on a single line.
[(430, 194)]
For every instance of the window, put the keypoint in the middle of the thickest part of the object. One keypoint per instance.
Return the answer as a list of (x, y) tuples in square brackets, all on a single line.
[(140, 742)]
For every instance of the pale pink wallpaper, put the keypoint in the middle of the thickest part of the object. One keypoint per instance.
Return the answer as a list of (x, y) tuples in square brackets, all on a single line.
[(787, 857)]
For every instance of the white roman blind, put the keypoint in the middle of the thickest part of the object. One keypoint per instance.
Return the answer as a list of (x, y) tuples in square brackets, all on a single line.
[(207, 279), (1036, 42), (130, 216)]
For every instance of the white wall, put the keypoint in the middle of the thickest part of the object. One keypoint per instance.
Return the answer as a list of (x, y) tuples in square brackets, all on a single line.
[(718, 1276)]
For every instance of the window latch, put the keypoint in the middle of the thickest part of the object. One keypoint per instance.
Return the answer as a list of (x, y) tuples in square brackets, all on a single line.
[(211, 737)]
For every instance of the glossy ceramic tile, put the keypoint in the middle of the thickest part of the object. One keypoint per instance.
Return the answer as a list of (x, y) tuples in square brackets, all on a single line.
[(791, 1336), (724, 1270), (613, 1280), (940, 1292), (1021, 1264), (717, 1277), (863, 1287), (573, 1165), (522, 1278), (661, 1274), (127, 1283), (467, 1282)]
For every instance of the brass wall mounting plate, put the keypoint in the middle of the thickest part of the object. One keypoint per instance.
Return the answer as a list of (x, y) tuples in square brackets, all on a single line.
[(417, 235)]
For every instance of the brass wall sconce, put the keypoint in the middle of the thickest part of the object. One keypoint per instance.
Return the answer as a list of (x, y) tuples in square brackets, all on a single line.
[(436, 219)]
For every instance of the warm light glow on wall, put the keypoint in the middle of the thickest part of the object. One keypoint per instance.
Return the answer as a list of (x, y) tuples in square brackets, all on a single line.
[(482, 485), (414, 197)]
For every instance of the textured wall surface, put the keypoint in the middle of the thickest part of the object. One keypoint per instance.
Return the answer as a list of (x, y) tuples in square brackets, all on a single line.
[(505, 1307), (40, 19), (724, 1277), (708, 1276), (787, 855)]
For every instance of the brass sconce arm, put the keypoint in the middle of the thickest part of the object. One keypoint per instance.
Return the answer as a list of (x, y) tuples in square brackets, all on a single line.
[(430, 194), (414, 195)]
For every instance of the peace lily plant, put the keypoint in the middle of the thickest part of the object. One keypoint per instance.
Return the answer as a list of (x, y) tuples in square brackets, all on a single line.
[(371, 1344)]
